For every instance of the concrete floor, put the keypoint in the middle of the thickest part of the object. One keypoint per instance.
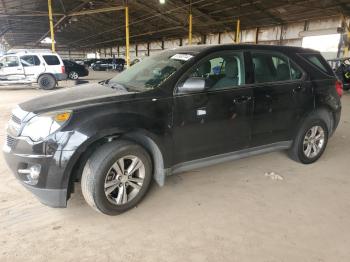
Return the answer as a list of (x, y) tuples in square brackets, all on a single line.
[(227, 212)]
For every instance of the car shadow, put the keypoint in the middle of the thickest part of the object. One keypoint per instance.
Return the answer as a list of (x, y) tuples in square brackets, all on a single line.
[(81, 82)]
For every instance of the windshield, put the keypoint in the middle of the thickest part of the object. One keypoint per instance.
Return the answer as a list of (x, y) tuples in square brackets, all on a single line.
[(152, 71)]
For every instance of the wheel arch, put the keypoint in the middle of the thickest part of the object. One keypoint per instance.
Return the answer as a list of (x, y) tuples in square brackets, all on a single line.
[(45, 73), (140, 137), (322, 111)]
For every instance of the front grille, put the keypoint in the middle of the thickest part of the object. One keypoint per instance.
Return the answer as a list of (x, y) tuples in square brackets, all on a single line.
[(10, 141)]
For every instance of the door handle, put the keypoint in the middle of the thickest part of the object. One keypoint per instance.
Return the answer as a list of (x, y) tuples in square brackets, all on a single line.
[(297, 89), (242, 99), (19, 69)]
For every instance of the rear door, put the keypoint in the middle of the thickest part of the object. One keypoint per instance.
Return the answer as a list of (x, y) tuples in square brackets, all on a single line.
[(32, 66), (281, 97), (11, 69), (217, 120)]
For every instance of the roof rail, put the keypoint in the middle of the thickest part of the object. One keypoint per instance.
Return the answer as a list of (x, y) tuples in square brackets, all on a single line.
[(16, 51)]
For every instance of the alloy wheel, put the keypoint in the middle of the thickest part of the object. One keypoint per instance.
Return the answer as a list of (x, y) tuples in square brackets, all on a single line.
[(124, 180), (73, 75), (314, 141)]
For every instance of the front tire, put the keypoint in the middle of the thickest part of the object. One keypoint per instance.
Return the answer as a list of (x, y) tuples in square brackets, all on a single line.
[(47, 82), (310, 142), (116, 177)]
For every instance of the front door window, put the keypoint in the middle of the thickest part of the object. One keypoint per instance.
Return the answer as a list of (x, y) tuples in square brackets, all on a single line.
[(221, 71), (9, 61)]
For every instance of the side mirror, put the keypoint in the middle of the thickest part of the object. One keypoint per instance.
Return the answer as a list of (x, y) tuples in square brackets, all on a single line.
[(192, 84), (1, 65)]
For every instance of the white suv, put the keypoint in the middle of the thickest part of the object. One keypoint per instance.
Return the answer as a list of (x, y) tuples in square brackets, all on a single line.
[(32, 66)]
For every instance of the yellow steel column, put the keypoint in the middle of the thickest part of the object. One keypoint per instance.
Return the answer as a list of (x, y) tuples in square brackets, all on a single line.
[(127, 43), (51, 26), (190, 25), (346, 49), (238, 31)]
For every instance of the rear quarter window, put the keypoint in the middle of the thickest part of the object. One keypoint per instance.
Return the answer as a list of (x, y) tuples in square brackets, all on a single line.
[(318, 61), (51, 60)]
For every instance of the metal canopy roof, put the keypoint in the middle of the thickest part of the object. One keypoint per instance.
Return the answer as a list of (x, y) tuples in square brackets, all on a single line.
[(92, 24)]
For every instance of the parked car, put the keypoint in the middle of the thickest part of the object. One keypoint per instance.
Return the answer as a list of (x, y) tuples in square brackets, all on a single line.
[(341, 67), (75, 70), (170, 113), (109, 64), (32, 66), (78, 61), (90, 61)]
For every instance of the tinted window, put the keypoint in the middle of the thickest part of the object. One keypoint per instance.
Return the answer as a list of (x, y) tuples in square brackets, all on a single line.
[(30, 60), (221, 71), (9, 61), (51, 59), (318, 61), (295, 72), (151, 72), (270, 68)]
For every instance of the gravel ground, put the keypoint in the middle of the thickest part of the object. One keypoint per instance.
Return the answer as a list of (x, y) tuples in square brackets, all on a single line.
[(236, 211)]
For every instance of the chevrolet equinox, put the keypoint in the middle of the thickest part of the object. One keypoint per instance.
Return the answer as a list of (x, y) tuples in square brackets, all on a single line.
[(178, 110)]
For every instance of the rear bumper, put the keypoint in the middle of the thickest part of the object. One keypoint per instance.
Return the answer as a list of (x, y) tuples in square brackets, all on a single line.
[(60, 76), (337, 116)]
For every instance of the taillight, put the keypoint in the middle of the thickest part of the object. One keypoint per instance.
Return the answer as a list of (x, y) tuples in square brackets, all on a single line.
[(339, 87), (63, 70)]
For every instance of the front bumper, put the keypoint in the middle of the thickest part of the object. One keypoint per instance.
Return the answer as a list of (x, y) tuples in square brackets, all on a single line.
[(51, 186)]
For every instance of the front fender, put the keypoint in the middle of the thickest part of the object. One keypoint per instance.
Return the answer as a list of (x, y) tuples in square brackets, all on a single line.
[(84, 137)]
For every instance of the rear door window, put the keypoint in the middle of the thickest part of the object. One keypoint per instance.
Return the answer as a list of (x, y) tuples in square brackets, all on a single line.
[(272, 67), (51, 60), (295, 72), (30, 60)]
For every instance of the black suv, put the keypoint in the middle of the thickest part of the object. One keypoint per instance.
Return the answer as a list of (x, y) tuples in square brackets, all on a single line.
[(178, 110)]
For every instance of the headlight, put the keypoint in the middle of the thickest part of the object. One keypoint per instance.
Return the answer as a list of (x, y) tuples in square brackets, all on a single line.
[(41, 126)]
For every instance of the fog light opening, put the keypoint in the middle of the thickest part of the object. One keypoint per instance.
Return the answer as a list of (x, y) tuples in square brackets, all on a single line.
[(32, 174)]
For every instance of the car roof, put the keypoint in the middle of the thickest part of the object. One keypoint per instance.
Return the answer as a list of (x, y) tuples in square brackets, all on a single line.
[(200, 48), (30, 53)]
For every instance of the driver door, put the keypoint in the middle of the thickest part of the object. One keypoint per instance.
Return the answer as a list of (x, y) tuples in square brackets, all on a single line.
[(216, 120), (11, 69)]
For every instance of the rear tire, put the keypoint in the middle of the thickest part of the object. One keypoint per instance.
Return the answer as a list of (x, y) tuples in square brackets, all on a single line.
[(310, 141), (110, 184), (47, 82), (73, 75)]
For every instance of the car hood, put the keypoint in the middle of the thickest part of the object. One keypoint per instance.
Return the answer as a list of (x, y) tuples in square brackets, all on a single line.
[(74, 97)]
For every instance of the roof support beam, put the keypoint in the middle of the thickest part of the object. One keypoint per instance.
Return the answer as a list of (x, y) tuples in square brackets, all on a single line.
[(75, 12)]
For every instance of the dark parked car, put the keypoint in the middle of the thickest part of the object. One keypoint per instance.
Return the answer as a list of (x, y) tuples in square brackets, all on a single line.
[(178, 110), (109, 64), (341, 67), (75, 70), (90, 61)]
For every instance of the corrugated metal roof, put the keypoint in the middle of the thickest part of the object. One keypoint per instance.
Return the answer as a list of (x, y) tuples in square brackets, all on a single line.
[(25, 22)]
